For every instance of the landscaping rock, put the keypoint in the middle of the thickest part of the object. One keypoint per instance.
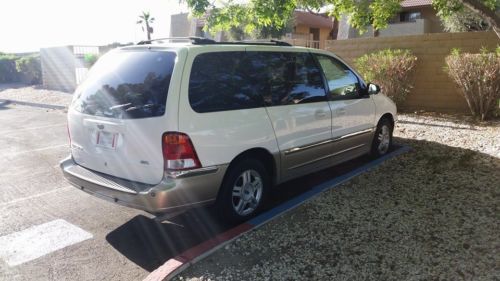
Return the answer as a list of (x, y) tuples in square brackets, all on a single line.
[(430, 214)]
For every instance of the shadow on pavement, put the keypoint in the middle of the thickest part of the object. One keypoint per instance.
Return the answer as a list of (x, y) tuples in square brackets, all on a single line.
[(149, 243)]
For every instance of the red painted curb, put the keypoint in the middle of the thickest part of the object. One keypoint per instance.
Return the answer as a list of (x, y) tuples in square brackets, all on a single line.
[(163, 271), (166, 270)]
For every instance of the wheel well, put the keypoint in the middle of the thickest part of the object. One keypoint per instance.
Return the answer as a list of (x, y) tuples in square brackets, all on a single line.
[(261, 154), (389, 117)]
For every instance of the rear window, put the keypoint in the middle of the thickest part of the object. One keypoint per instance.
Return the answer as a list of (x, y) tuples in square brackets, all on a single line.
[(127, 85)]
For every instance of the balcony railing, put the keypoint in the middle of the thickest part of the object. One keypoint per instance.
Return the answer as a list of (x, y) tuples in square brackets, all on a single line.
[(304, 43)]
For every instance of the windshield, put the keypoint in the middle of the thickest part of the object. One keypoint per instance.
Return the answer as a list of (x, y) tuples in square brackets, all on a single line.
[(126, 85)]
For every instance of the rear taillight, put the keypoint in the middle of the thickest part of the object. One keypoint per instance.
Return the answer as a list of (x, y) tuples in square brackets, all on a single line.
[(179, 152)]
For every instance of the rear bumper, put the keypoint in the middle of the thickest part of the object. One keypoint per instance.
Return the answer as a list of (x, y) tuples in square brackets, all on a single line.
[(174, 192)]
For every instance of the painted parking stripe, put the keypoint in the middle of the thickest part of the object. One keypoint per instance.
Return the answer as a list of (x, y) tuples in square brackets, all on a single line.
[(35, 196), (39, 240), (197, 253), (36, 149), (31, 128)]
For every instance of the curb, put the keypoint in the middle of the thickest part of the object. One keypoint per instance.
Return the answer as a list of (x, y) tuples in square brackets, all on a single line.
[(197, 253), (4, 102)]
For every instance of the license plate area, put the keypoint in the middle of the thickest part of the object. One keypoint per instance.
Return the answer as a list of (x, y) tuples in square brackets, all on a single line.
[(106, 139)]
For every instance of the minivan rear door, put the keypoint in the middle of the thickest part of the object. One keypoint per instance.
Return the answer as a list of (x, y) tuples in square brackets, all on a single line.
[(118, 115)]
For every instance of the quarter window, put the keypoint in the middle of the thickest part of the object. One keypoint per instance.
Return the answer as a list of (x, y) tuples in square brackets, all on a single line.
[(342, 83)]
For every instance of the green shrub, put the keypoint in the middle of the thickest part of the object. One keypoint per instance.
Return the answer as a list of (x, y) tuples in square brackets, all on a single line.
[(478, 76), (391, 70), (8, 72), (90, 59), (30, 69)]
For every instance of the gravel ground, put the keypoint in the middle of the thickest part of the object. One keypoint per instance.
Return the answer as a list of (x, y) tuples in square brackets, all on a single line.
[(430, 214), (451, 130), (34, 94)]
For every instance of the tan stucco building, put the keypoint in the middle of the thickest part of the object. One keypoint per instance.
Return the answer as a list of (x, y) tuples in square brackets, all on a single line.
[(416, 17)]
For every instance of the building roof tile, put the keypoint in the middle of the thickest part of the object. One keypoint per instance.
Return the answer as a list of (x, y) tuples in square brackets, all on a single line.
[(313, 20), (415, 3)]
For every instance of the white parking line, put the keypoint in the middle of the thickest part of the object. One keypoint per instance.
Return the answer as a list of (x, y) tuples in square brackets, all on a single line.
[(36, 149), (31, 128), (34, 196), (37, 241)]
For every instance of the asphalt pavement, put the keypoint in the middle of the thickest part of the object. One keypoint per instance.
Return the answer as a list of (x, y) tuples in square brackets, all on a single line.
[(99, 240)]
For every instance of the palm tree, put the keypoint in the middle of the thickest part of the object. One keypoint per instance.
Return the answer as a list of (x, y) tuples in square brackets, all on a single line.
[(147, 20)]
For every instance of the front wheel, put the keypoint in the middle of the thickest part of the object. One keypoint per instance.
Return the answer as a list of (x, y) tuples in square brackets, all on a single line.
[(243, 191), (382, 141)]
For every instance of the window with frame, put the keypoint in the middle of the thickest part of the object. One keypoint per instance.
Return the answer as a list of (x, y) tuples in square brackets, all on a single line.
[(342, 82), (219, 82), (285, 78), (409, 16), (117, 88)]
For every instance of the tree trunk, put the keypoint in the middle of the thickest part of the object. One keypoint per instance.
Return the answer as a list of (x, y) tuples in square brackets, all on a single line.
[(148, 31), (490, 16), (376, 33)]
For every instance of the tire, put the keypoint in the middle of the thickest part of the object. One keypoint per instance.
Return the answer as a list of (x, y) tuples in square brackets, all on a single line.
[(382, 140), (243, 191)]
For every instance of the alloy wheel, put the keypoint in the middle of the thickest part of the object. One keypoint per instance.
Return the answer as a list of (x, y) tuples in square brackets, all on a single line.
[(384, 138), (247, 192)]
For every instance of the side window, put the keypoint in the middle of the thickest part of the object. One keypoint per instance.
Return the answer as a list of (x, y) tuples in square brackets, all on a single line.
[(342, 82), (285, 78), (218, 83)]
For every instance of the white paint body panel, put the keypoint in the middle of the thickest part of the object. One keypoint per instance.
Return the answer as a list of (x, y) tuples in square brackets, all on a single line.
[(351, 116), (383, 105)]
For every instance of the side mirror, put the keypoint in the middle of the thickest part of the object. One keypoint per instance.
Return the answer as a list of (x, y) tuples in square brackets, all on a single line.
[(373, 89)]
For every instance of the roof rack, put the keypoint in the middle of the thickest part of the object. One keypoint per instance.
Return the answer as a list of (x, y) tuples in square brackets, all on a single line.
[(194, 40), (260, 42), (207, 41)]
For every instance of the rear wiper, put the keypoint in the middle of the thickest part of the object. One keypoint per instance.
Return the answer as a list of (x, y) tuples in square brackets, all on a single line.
[(120, 106), (148, 105)]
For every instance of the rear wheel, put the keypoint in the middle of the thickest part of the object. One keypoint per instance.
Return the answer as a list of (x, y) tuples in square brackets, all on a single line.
[(243, 191), (382, 141)]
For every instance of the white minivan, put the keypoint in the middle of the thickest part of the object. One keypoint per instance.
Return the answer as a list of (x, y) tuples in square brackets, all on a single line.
[(162, 125)]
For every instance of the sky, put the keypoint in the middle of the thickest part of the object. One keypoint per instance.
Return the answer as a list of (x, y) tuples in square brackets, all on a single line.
[(28, 25)]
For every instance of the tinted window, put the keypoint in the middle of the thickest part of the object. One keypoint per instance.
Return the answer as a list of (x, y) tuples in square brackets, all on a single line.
[(219, 82), (127, 84), (342, 82), (285, 78)]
